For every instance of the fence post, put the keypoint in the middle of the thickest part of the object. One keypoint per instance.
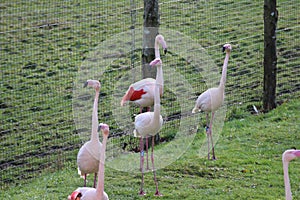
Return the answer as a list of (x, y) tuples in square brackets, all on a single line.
[(270, 57)]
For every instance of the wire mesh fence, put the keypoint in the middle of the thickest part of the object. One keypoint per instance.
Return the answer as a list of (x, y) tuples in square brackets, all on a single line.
[(48, 49)]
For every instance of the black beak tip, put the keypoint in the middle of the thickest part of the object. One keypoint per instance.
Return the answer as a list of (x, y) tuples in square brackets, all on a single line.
[(85, 84), (99, 128), (165, 51), (223, 49)]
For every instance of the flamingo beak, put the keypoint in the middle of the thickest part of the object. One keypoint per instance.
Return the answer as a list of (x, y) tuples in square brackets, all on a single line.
[(165, 50), (223, 49), (85, 84), (99, 127)]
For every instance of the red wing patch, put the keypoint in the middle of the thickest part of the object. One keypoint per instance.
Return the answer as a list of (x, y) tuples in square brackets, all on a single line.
[(137, 94)]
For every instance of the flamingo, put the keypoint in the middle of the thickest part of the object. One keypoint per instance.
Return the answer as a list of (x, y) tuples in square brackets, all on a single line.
[(141, 92), (287, 156), (89, 154), (212, 99), (148, 124), (89, 193)]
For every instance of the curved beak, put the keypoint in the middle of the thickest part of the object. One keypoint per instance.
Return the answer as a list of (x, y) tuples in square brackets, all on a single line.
[(223, 49), (99, 127), (85, 84), (165, 50)]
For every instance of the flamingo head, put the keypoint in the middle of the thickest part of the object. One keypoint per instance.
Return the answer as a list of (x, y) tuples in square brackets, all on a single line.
[(160, 39), (93, 83), (76, 195), (290, 154), (104, 128), (156, 61), (227, 47)]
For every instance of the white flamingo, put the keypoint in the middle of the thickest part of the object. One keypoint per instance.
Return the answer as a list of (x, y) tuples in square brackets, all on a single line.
[(287, 156), (89, 154), (141, 93), (89, 193), (148, 124), (212, 99)]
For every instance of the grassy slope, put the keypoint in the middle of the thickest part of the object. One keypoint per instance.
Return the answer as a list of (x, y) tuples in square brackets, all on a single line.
[(51, 40), (248, 166)]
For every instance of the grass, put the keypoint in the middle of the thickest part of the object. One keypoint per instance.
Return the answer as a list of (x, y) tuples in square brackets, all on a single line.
[(248, 166), (45, 46)]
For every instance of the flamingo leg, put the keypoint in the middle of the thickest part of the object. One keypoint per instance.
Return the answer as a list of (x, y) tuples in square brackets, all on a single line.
[(95, 179), (142, 193), (157, 193), (84, 180), (147, 154), (147, 144), (210, 134), (207, 135)]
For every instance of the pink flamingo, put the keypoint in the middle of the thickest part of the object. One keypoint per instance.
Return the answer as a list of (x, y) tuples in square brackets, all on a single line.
[(287, 156), (142, 92), (89, 154), (212, 99), (89, 193), (148, 124)]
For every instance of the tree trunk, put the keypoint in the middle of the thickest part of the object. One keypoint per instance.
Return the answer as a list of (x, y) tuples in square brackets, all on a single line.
[(270, 57), (151, 23)]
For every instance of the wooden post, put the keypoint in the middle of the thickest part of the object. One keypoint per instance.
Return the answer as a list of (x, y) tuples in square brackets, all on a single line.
[(270, 57), (151, 23)]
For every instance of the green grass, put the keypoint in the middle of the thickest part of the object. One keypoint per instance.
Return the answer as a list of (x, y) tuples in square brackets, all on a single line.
[(248, 166), (46, 45)]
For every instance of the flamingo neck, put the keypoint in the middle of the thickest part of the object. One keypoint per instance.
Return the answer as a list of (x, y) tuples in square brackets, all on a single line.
[(158, 86), (159, 76), (156, 47), (224, 71), (288, 193), (94, 134), (100, 185)]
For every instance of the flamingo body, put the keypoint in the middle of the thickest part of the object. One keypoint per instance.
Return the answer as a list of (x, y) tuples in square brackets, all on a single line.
[(142, 92), (149, 123), (212, 99), (143, 126), (88, 158), (209, 101), (98, 193), (89, 154)]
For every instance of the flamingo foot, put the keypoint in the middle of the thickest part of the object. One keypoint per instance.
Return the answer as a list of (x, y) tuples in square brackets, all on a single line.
[(142, 193), (158, 194)]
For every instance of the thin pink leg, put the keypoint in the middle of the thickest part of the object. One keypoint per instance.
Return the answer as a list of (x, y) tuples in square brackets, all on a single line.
[(84, 185), (207, 135), (95, 180), (211, 138), (142, 193), (157, 193), (147, 142)]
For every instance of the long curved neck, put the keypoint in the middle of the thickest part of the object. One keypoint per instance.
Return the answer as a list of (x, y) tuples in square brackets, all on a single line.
[(288, 193), (156, 48), (94, 134), (100, 185), (224, 71), (158, 86)]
